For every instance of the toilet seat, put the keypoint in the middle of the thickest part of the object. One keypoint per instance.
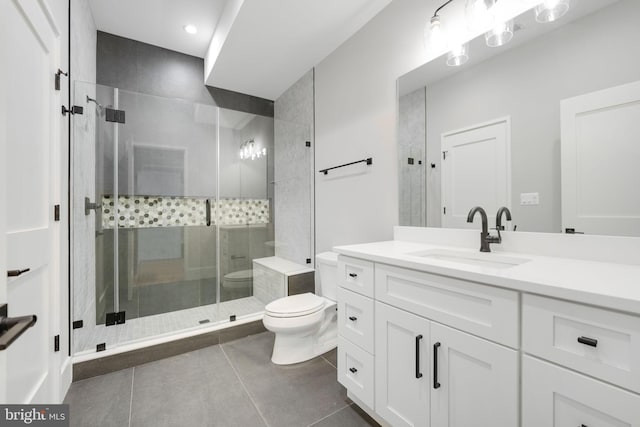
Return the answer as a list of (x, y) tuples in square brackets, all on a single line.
[(295, 305), (238, 279)]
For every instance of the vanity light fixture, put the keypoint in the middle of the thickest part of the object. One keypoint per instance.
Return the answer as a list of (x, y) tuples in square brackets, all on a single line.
[(434, 36), (191, 29), (248, 150), (459, 55), (551, 10), (500, 34), (479, 14)]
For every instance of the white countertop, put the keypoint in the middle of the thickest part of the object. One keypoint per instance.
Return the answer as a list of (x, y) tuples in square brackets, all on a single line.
[(604, 284)]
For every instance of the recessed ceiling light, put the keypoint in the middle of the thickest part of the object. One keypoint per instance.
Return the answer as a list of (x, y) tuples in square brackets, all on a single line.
[(191, 29)]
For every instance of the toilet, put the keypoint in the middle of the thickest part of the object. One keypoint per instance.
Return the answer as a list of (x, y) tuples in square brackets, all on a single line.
[(305, 325), (238, 284)]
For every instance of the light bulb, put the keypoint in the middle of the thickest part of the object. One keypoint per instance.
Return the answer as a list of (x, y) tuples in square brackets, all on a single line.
[(551, 10), (434, 37), (500, 34), (479, 14), (458, 56)]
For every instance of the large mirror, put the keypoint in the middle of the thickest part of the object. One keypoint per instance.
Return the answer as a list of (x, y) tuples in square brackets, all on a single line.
[(547, 125)]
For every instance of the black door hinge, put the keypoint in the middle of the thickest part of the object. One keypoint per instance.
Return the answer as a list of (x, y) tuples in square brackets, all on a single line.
[(572, 231), (56, 213), (232, 318), (101, 347), (77, 324), (115, 318), (308, 260), (114, 116), (56, 343), (410, 160), (75, 109), (57, 78), (307, 143)]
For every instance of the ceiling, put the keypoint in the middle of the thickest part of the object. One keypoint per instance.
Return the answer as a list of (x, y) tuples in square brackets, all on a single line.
[(262, 47), (160, 22)]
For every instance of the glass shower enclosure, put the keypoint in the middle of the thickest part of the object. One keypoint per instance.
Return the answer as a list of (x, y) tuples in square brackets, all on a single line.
[(172, 202)]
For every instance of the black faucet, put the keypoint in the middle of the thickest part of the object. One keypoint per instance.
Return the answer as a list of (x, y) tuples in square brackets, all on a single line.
[(485, 238)]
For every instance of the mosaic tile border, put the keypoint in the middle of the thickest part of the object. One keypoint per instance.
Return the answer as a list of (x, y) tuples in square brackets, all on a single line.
[(173, 211)]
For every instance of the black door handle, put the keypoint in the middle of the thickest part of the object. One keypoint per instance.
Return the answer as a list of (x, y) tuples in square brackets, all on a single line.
[(354, 275), (353, 318), (436, 384), (16, 273), (208, 212), (12, 327), (418, 373), (353, 370), (591, 342)]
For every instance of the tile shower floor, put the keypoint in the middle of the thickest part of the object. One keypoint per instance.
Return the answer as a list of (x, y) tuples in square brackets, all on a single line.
[(229, 385), (164, 324)]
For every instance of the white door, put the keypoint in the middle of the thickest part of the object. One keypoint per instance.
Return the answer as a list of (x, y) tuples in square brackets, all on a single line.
[(554, 396), (478, 381), (402, 370), (476, 171), (29, 42), (600, 152)]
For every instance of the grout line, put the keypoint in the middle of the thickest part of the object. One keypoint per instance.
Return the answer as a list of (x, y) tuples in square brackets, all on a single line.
[(327, 416), (133, 375), (243, 386)]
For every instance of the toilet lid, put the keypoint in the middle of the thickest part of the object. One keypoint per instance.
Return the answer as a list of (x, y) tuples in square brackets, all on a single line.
[(241, 275), (295, 305)]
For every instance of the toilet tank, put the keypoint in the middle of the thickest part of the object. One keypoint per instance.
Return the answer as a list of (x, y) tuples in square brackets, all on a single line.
[(327, 274)]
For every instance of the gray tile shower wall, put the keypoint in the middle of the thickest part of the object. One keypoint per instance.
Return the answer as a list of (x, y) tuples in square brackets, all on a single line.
[(141, 67)]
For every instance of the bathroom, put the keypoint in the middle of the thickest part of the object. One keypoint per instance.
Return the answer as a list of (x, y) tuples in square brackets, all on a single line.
[(212, 209)]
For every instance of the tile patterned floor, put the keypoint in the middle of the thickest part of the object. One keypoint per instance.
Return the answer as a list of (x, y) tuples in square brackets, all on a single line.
[(229, 385)]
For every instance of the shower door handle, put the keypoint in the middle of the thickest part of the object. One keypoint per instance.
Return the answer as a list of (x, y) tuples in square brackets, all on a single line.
[(89, 206), (208, 212)]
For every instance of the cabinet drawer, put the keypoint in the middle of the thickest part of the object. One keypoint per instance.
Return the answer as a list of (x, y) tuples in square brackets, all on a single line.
[(609, 346), (554, 396), (355, 371), (481, 310), (356, 275), (355, 318)]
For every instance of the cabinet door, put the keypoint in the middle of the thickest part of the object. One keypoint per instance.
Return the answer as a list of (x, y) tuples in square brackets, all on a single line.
[(401, 367), (474, 382), (554, 396)]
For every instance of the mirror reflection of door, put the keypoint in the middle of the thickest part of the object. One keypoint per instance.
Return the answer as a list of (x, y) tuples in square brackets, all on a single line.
[(476, 171), (600, 161)]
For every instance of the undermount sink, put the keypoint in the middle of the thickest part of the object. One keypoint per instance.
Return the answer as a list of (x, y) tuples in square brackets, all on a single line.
[(479, 259)]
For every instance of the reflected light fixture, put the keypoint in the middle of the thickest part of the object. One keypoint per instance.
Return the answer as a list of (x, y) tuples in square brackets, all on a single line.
[(551, 10), (500, 34), (434, 36), (479, 14), (459, 55), (191, 29), (248, 150)]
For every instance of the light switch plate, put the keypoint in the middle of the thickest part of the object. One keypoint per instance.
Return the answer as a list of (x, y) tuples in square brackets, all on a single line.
[(529, 199)]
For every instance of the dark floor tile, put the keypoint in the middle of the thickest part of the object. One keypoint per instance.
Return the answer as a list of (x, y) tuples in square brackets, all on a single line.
[(101, 401), (332, 357), (292, 395), (351, 416), (198, 388)]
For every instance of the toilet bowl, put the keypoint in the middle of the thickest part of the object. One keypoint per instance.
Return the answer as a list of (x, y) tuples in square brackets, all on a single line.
[(305, 325), (238, 284)]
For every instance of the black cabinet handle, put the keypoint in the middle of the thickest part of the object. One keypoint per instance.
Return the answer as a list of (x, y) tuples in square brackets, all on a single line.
[(354, 275), (591, 342), (16, 273), (12, 327), (418, 373), (353, 318), (208, 212), (436, 384), (353, 370)]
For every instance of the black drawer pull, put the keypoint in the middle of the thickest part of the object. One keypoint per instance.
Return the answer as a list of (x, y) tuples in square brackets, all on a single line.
[(592, 342), (418, 373), (436, 384), (208, 212), (354, 275), (12, 327), (16, 273), (353, 318), (353, 370)]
